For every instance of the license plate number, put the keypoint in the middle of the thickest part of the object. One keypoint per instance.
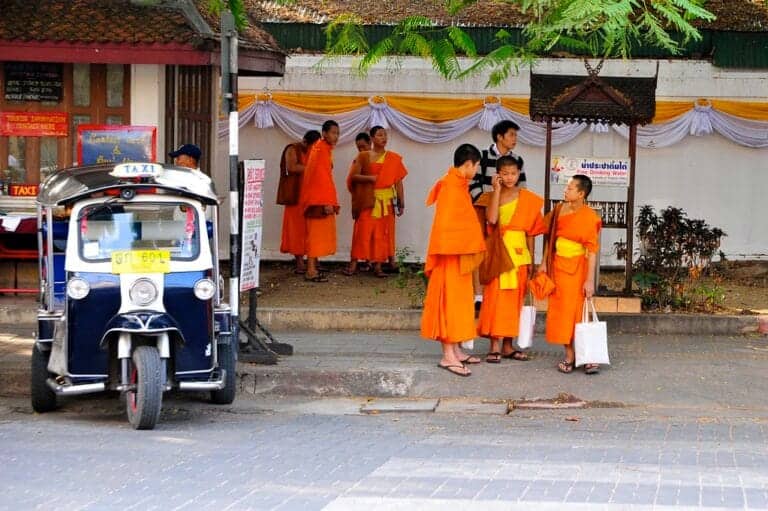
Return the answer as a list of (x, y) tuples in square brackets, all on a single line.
[(141, 261)]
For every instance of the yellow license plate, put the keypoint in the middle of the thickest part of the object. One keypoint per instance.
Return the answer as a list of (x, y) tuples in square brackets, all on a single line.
[(141, 261)]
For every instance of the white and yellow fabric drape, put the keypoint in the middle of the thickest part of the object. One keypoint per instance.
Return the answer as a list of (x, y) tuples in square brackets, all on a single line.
[(432, 120)]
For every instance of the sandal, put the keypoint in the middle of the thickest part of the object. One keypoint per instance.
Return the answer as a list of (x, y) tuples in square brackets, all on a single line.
[(364, 267), (348, 272), (517, 355), (316, 278), (456, 369), (494, 357), (591, 369), (381, 275), (470, 359), (565, 366), (299, 271)]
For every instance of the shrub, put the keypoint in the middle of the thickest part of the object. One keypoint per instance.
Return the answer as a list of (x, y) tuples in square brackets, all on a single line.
[(674, 253)]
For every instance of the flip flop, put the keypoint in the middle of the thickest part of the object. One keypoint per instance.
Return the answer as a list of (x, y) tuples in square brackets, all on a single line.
[(591, 369), (381, 275), (299, 272), (453, 369), (517, 355), (348, 272), (494, 357), (565, 367), (470, 359), (316, 278)]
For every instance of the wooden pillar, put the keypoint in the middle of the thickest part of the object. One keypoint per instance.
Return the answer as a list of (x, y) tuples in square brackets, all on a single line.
[(631, 206), (547, 164)]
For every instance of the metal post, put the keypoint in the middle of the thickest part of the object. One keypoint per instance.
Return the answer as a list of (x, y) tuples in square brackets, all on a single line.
[(547, 164), (229, 94), (631, 207)]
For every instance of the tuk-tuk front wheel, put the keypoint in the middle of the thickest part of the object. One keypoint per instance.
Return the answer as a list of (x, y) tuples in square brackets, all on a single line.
[(144, 401), (43, 398), (227, 357)]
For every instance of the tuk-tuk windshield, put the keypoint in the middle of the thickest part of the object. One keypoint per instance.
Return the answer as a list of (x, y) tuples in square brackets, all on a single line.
[(107, 227)]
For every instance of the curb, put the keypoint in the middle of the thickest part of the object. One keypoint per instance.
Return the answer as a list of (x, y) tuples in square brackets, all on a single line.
[(286, 319), (389, 319)]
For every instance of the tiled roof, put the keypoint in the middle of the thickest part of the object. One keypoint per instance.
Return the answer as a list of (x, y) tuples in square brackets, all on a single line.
[(735, 15), (109, 21), (253, 36)]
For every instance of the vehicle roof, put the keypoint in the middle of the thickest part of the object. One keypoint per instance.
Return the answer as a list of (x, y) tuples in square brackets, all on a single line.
[(73, 183)]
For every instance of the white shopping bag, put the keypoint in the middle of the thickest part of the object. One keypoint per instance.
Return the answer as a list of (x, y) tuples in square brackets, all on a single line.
[(591, 338), (527, 324)]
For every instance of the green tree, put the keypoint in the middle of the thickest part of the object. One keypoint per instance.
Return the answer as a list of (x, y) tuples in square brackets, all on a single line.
[(236, 7), (600, 28)]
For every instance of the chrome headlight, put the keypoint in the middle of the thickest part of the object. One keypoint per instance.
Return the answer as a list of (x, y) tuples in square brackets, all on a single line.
[(78, 288), (142, 292), (205, 289)]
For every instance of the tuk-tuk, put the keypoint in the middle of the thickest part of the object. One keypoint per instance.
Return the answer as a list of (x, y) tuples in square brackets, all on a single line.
[(131, 297)]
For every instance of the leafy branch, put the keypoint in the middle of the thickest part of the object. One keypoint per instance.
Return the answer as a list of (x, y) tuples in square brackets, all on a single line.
[(600, 28)]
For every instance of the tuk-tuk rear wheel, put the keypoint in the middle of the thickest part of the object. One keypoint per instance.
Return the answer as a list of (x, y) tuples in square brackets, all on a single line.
[(227, 358), (43, 398), (144, 401)]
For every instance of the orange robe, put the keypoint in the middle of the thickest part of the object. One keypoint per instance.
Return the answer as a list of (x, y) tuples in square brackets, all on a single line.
[(318, 189), (362, 230), (374, 234), (500, 312), (569, 273), (294, 225), (456, 247)]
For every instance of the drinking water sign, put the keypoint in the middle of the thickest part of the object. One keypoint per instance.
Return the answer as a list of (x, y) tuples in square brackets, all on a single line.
[(612, 172)]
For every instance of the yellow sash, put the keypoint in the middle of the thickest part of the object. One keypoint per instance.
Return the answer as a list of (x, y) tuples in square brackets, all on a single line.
[(515, 242), (568, 248), (383, 201)]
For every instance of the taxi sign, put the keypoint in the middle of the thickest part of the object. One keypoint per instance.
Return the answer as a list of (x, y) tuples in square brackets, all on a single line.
[(141, 261), (130, 170)]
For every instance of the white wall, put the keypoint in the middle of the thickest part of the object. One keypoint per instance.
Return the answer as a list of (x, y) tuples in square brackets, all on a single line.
[(148, 100), (709, 177)]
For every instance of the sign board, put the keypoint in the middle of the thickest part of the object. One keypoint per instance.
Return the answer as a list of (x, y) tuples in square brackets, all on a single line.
[(602, 171), (33, 81), (253, 210), (33, 124), (23, 190), (115, 144)]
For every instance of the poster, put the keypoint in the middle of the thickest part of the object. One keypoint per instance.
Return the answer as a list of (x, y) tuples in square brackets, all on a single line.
[(253, 210), (602, 171), (115, 144)]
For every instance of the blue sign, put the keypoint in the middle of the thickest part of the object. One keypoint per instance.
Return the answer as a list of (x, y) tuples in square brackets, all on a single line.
[(115, 144)]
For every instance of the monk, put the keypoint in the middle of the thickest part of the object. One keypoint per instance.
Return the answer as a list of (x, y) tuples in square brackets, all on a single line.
[(517, 213), (319, 202), (456, 248), (360, 186), (292, 163), (571, 259), (375, 236)]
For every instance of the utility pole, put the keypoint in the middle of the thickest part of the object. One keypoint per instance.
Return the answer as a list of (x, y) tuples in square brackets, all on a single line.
[(229, 105)]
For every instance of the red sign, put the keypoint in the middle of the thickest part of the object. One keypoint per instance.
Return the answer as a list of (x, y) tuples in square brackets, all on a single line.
[(33, 124), (23, 190)]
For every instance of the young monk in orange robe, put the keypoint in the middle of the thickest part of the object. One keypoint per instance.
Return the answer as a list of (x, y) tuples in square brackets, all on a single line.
[(360, 186), (319, 201), (456, 247), (576, 246), (293, 161), (517, 212), (374, 232)]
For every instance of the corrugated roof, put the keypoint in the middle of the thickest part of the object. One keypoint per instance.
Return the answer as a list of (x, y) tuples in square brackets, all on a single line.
[(734, 15)]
